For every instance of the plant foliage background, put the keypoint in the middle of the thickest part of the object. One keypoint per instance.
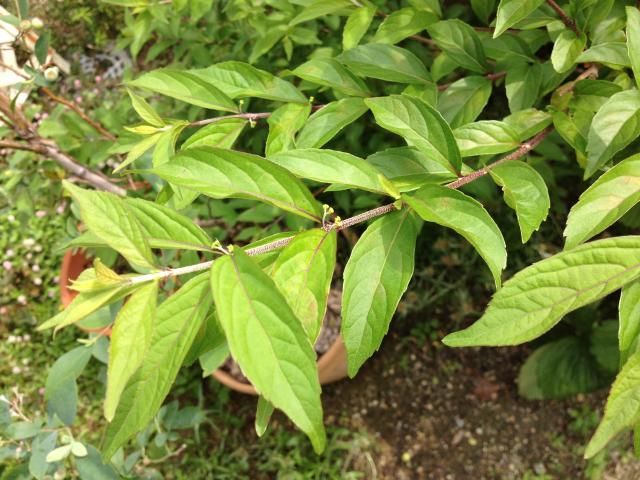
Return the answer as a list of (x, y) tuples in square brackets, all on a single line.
[(316, 137)]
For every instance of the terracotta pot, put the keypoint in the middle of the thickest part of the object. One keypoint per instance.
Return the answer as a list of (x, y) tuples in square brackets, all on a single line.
[(332, 366), (73, 263)]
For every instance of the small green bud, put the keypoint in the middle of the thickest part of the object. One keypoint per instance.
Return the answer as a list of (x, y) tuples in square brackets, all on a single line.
[(25, 25), (37, 23)]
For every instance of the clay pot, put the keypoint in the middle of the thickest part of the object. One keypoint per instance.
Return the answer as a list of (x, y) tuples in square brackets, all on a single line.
[(332, 366), (73, 263)]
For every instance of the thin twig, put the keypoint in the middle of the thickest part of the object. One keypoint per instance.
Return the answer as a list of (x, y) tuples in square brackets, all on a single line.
[(566, 19), (251, 116), (491, 76), (425, 40), (72, 106), (591, 72), (520, 152)]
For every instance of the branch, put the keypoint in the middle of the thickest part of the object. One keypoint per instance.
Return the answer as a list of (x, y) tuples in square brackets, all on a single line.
[(72, 106), (51, 150), (99, 181), (566, 19), (491, 76), (520, 152)]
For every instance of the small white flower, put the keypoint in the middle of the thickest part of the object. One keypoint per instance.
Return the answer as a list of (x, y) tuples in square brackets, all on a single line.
[(10, 253), (4, 310), (16, 370), (28, 256), (26, 337), (60, 208), (11, 218), (51, 74), (22, 300), (11, 339), (41, 213), (77, 83), (37, 281), (25, 361), (37, 23), (28, 242), (38, 248), (41, 391), (56, 279), (7, 265), (35, 268)]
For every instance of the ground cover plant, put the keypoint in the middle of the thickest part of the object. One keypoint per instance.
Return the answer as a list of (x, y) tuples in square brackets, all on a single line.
[(337, 116)]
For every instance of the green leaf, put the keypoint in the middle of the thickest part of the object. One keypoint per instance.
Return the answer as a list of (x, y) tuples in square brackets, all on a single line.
[(59, 454), (109, 218), (303, 272), (375, 278), (330, 73), (22, 430), (485, 137), (511, 12), (327, 122), (284, 123), (529, 122), (612, 54), (524, 191), (263, 415), (523, 84), (267, 41), (559, 369), (409, 168), (214, 358), (44, 443), (222, 134), (86, 303), (41, 48), (402, 24), (330, 166), (144, 110), (166, 145), (420, 125), (629, 315), (78, 449), (569, 131), (186, 87), (320, 8), (483, 9), (464, 100), (453, 209), (209, 338), (130, 339), (91, 467), (622, 408), (138, 150), (535, 299), (633, 40), (425, 92), (566, 49), (357, 25), (240, 80), (61, 391), (222, 173), (385, 62), (611, 196), (175, 325), (461, 44), (613, 127), (268, 342)]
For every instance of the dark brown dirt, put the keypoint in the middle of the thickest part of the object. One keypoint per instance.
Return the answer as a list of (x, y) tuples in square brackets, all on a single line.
[(441, 413)]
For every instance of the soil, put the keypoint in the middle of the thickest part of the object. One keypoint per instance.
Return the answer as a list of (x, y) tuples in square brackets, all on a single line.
[(434, 412)]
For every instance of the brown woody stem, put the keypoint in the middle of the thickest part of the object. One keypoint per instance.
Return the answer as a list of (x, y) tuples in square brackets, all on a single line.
[(566, 19), (521, 151)]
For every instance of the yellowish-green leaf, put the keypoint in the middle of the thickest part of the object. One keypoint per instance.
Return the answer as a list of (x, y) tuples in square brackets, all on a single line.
[(174, 328), (303, 272), (611, 196), (524, 191), (268, 342), (222, 134), (108, 217), (130, 339), (511, 12), (222, 173), (629, 316), (357, 25), (633, 40), (460, 42), (453, 209), (330, 73), (327, 122), (535, 299), (146, 111), (402, 24), (375, 278), (485, 137), (284, 123), (464, 100)]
